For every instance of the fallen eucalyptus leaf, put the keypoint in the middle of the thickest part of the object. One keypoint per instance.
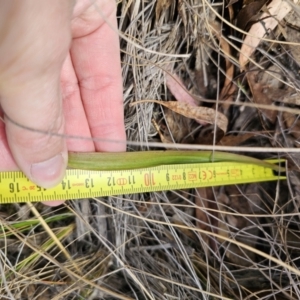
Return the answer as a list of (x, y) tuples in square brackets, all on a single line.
[(277, 10), (198, 113)]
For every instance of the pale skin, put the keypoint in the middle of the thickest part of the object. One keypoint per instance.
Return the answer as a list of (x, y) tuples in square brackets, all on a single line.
[(59, 72)]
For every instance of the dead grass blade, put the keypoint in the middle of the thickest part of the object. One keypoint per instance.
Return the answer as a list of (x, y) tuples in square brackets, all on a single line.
[(53, 236)]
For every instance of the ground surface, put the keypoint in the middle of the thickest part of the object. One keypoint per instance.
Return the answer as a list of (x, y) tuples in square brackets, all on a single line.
[(159, 245)]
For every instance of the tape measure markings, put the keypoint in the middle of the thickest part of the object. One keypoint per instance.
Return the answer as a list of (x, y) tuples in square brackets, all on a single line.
[(15, 187)]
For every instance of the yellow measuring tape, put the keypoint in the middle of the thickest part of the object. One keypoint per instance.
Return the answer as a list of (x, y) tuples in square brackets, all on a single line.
[(15, 187)]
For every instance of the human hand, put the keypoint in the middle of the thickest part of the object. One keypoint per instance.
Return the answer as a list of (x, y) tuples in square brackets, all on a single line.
[(60, 73)]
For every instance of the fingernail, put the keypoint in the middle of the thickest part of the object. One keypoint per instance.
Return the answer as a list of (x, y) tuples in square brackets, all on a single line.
[(49, 173)]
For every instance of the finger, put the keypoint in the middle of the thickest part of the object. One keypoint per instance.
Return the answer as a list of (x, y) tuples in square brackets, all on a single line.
[(96, 59), (30, 88), (75, 118)]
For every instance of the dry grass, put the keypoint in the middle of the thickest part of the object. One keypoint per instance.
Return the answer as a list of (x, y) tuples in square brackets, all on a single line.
[(237, 242)]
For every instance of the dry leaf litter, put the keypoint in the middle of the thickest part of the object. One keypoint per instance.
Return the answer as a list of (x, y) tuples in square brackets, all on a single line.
[(199, 77)]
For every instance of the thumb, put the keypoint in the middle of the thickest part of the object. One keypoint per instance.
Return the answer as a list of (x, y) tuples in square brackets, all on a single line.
[(30, 85), (40, 154)]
